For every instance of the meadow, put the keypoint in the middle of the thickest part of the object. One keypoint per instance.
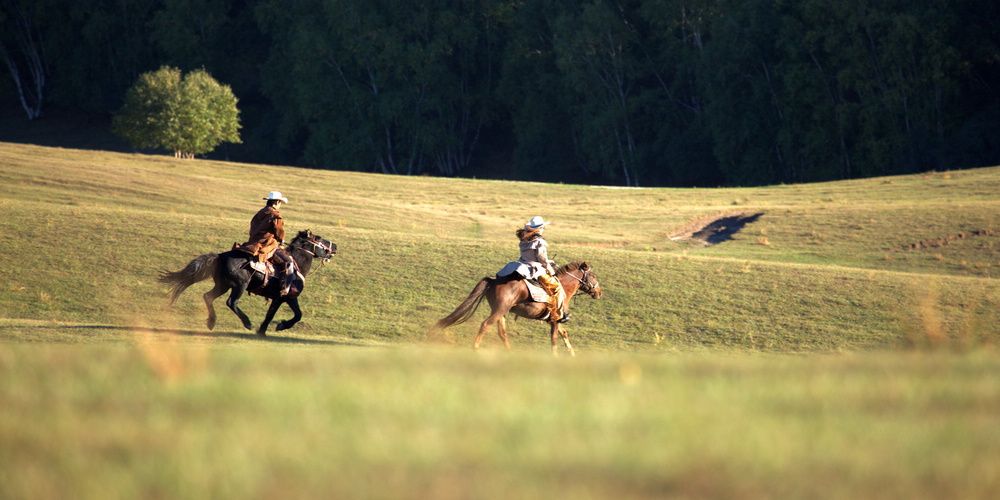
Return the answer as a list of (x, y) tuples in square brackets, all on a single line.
[(841, 345)]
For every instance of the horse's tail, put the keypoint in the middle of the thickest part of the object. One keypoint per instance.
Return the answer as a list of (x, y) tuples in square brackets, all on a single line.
[(201, 268), (467, 308)]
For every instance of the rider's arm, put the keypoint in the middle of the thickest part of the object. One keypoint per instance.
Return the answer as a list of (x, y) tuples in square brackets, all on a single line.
[(279, 229), (543, 256)]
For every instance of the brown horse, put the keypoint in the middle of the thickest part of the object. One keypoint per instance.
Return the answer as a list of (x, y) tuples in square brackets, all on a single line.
[(510, 294)]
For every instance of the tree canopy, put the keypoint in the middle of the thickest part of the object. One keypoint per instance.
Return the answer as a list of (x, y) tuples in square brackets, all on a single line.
[(190, 115), (629, 92)]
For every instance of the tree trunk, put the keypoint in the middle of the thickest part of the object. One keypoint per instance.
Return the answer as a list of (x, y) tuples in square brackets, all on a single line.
[(30, 87)]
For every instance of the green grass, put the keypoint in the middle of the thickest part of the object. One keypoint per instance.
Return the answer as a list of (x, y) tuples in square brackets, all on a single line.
[(822, 269), (196, 419), (811, 356)]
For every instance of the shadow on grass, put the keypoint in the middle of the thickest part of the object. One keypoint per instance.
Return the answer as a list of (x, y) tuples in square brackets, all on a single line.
[(723, 228), (192, 333)]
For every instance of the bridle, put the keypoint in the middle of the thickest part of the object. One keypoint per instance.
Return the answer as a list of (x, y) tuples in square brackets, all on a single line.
[(585, 283), (317, 244)]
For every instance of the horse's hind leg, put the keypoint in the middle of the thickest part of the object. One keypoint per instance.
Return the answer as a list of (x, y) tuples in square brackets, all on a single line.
[(210, 297), (493, 318), (233, 303), (482, 331), (502, 331)]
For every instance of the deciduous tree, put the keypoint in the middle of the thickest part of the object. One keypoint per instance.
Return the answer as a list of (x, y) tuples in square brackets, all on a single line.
[(189, 115)]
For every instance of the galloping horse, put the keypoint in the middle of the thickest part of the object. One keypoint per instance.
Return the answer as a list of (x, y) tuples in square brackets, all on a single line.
[(510, 294), (231, 271)]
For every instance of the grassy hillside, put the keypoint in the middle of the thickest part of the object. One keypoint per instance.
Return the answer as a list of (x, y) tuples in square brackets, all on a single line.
[(824, 267), (835, 347)]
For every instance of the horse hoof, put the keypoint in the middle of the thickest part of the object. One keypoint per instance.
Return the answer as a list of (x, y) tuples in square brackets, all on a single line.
[(210, 324), (281, 326), (261, 333)]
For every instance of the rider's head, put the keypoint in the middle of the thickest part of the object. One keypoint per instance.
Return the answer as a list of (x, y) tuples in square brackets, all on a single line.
[(274, 199), (535, 224)]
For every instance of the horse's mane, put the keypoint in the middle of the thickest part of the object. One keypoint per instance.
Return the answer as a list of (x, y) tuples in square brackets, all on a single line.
[(572, 266)]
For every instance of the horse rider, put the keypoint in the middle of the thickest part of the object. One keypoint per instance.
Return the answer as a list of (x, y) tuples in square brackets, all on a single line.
[(267, 235), (535, 264)]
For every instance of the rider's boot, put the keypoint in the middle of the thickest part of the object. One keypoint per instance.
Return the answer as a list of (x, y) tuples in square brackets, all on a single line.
[(557, 297), (555, 311), (564, 318), (555, 314)]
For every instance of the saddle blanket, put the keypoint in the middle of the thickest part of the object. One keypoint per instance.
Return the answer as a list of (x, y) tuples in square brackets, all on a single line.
[(265, 268), (537, 293)]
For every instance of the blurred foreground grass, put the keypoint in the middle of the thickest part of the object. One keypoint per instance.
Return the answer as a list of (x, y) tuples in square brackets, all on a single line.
[(159, 417)]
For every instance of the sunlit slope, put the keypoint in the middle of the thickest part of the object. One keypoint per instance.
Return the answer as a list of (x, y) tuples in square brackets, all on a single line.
[(825, 266)]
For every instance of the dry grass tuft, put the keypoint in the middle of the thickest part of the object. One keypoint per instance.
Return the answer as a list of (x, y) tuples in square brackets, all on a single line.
[(930, 316), (169, 359)]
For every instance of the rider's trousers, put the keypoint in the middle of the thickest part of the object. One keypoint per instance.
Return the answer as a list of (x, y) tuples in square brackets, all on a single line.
[(557, 296)]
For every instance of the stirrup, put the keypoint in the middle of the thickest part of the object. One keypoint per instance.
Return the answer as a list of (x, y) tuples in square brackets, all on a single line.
[(287, 284), (564, 318)]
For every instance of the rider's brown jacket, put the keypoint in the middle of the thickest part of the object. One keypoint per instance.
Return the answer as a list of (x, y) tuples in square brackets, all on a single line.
[(267, 231)]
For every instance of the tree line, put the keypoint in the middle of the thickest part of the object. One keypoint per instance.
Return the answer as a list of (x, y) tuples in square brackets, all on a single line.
[(626, 92)]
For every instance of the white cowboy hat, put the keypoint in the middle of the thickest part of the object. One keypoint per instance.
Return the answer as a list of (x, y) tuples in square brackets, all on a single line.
[(536, 223), (275, 195)]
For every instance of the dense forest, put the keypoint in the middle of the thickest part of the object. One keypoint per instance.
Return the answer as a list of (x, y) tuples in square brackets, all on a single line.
[(626, 92)]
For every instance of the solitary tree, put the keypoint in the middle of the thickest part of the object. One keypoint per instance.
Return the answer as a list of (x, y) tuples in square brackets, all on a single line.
[(190, 115)]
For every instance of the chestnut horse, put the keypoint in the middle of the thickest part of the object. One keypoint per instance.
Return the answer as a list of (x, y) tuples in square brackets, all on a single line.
[(510, 294)]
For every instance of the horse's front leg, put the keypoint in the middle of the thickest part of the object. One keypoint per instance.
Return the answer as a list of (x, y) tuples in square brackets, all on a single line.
[(234, 303), (565, 337), (555, 335), (288, 323), (558, 331), (271, 311)]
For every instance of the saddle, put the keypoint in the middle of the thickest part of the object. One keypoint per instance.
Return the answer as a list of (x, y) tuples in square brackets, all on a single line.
[(536, 292), (262, 271), (265, 267)]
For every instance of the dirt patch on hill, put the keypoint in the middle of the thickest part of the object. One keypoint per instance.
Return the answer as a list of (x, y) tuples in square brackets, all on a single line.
[(714, 229), (938, 242)]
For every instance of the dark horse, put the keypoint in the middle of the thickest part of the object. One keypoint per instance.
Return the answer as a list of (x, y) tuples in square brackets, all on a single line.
[(510, 294), (231, 271)]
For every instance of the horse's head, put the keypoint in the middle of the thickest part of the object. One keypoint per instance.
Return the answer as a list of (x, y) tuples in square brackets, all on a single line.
[(588, 282), (315, 245), (584, 274)]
